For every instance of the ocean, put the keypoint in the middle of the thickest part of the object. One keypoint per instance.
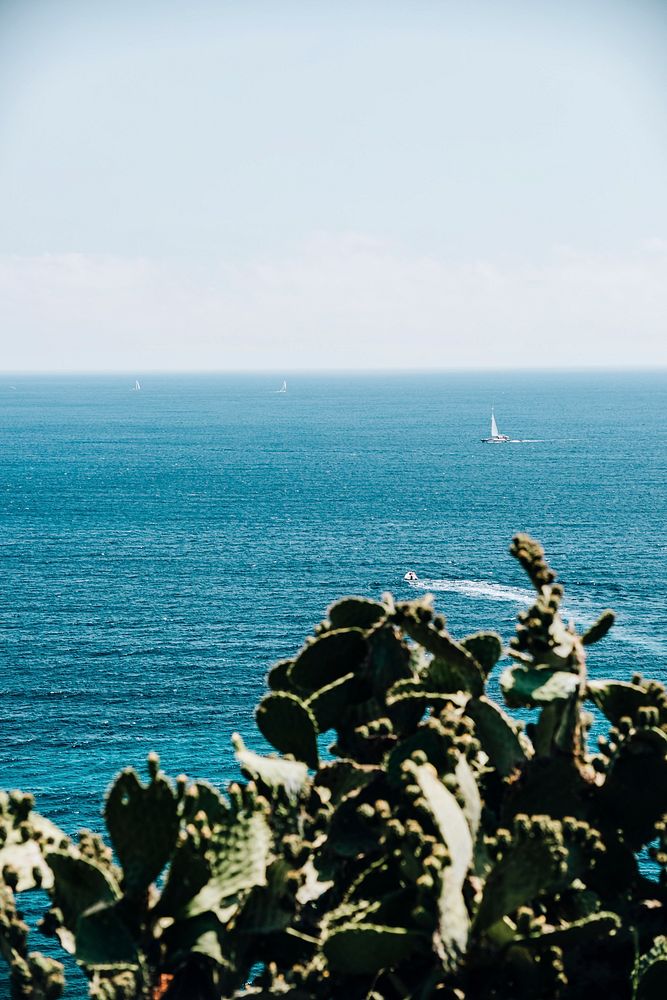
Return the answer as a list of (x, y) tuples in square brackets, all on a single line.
[(161, 548)]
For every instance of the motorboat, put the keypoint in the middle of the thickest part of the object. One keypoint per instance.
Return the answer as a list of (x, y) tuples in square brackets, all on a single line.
[(411, 576), (496, 436)]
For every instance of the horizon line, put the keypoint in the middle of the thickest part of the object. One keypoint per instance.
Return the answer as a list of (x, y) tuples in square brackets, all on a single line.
[(289, 372)]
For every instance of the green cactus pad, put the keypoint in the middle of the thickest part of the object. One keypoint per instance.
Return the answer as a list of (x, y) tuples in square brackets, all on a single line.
[(528, 686), (143, 824), (328, 704), (550, 784), (530, 865), (355, 612), (239, 859), (266, 910), (461, 674), (618, 698), (199, 935), (189, 871), (448, 817), (599, 629), (79, 883), (289, 725), (389, 660), (486, 647), (104, 941), (456, 835), (208, 800), (277, 678), (273, 772), (496, 732), (457, 669), (634, 795), (325, 659), (469, 792), (357, 948)]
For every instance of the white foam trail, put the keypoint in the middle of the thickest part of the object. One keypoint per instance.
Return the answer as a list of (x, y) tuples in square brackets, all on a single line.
[(478, 589), (485, 590)]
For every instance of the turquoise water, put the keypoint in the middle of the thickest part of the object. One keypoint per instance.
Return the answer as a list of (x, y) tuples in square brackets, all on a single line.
[(161, 548)]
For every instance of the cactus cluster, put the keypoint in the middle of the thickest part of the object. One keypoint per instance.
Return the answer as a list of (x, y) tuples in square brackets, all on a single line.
[(438, 847)]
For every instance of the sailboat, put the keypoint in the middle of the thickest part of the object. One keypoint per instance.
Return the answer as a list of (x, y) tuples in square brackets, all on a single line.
[(496, 436), (137, 385), (283, 387)]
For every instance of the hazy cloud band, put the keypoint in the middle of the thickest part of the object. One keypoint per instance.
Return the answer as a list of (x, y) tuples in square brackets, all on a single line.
[(335, 302)]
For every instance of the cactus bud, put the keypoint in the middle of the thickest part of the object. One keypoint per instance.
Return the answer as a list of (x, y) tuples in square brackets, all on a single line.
[(153, 762)]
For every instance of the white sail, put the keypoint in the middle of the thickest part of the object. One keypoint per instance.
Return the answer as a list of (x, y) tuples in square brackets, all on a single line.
[(283, 388), (494, 426)]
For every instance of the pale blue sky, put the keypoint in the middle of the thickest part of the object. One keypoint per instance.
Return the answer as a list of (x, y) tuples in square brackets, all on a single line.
[(285, 185)]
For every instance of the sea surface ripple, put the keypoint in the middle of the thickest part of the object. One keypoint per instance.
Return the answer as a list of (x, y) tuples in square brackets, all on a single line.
[(161, 548)]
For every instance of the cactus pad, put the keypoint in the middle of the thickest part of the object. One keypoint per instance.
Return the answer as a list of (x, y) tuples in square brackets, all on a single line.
[(273, 772), (328, 704), (528, 686), (289, 725), (599, 629), (239, 858), (103, 940), (143, 823), (327, 658), (486, 647), (358, 948), (79, 883), (356, 612), (455, 674), (618, 699), (499, 738)]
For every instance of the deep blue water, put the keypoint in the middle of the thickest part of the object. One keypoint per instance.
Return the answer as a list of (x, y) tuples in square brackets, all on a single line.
[(161, 548)]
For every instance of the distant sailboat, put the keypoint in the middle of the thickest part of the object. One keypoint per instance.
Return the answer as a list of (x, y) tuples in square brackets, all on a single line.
[(496, 436), (283, 387), (137, 385)]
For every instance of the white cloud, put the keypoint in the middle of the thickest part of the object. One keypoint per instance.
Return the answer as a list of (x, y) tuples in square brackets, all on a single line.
[(336, 302)]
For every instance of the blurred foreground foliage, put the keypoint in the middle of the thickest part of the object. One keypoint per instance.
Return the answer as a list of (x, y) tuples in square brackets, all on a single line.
[(445, 850)]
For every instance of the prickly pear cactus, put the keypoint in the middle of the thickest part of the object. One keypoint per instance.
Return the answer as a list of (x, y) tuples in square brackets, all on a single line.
[(441, 847), (24, 835)]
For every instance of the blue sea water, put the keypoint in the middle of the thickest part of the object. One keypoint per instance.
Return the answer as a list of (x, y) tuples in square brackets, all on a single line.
[(161, 548)]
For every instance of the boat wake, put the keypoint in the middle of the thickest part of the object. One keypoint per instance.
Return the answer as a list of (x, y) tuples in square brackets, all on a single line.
[(478, 589), (525, 440), (583, 612)]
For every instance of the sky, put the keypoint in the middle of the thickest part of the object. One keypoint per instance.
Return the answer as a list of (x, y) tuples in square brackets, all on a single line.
[(243, 185)]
